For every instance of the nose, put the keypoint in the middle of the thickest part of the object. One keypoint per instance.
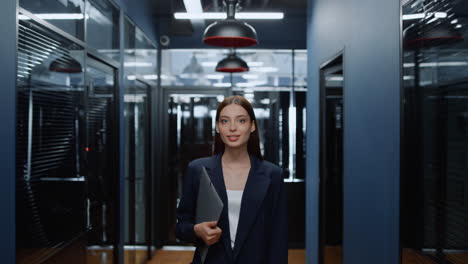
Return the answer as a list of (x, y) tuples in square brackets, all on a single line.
[(232, 126)]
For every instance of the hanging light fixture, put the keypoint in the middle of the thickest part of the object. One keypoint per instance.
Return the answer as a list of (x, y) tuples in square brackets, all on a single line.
[(232, 63), (65, 65), (230, 32)]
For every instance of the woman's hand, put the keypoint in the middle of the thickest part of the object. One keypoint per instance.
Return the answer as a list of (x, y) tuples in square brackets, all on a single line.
[(208, 231)]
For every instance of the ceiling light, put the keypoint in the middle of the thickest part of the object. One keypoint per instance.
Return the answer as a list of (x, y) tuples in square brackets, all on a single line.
[(209, 63), (250, 76), (56, 16), (138, 64), (222, 85), (219, 15), (414, 16), (215, 76), (255, 63), (232, 63), (440, 14), (265, 69), (230, 32)]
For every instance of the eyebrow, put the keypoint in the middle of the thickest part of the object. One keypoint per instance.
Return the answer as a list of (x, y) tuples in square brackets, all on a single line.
[(223, 116)]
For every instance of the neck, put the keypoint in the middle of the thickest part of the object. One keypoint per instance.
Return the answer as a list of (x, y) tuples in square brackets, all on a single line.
[(237, 155)]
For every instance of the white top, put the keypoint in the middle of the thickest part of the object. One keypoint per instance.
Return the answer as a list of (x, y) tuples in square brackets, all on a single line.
[(234, 205)]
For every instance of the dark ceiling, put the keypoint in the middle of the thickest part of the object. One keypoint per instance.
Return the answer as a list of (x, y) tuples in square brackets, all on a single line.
[(167, 7), (288, 33)]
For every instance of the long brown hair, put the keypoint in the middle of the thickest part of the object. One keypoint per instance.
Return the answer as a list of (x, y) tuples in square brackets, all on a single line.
[(253, 145)]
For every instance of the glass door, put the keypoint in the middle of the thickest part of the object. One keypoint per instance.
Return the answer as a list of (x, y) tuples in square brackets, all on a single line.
[(331, 162), (138, 184), (101, 162)]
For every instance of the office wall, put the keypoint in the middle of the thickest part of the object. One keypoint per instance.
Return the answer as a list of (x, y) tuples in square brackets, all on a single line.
[(142, 13), (7, 130), (369, 33)]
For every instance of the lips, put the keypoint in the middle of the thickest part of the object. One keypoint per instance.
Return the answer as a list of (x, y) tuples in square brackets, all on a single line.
[(233, 138)]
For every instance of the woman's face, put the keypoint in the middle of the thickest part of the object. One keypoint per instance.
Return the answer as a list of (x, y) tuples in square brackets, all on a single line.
[(234, 126)]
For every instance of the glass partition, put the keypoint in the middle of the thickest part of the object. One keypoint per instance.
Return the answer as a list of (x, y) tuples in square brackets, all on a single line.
[(268, 68), (50, 188), (102, 27), (145, 59), (268, 85), (140, 77), (68, 15), (434, 177)]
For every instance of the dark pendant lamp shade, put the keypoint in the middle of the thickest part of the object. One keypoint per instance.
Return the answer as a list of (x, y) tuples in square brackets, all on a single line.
[(230, 32), (65, 65), (232, 64), (425, 37)]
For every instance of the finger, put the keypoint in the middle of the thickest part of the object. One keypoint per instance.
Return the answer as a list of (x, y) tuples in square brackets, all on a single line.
[(212, 224), (212, 232)]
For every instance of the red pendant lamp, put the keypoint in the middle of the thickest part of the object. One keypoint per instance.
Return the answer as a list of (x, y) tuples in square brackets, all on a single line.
[(230, 32), (232, 63)]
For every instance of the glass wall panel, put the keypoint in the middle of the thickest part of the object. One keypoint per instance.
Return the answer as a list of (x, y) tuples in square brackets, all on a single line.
[(129, 117), (50, 190), (269, 80), (102, 28), (146, 58), (68, 15), (197, 68), (300, 68), (140, 74), (279, 105), (434, 179)]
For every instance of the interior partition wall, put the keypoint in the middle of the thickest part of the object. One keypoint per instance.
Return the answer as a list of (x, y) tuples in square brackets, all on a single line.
[(68, 119), (434, 176), (369, 32), (8, 48)]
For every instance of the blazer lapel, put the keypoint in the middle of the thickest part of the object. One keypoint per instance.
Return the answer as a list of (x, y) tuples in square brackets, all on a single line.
[(216, 175), (252, 198)]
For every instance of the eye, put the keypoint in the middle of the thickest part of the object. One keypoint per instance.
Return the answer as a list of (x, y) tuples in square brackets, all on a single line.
[(242, 121), (224, 121)]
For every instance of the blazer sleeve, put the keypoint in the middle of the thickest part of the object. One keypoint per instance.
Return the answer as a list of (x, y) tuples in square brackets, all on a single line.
[(187, 206), (278, 250)]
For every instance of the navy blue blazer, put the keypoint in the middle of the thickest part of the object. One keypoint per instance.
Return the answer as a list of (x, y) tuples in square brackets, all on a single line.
[(262, 234)]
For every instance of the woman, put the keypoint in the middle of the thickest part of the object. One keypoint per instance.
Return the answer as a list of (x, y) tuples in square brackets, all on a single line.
[(252, 228)]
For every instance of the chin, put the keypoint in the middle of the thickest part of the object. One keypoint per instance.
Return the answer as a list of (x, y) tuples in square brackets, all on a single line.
[(235, 145)]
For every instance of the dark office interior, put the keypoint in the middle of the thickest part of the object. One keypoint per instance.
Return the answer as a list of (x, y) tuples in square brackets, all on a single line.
[(362, 103)]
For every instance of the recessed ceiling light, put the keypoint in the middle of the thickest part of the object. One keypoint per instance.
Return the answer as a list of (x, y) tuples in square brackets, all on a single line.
[(219, 15)]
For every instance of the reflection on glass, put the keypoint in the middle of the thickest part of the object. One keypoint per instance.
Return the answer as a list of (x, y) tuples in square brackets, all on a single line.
[(137, 172), (101, 168), (102, 32), (140, 74), (300, 68), (64, 14), (146, 58), (50, 188), (434, 219), (268, 68)]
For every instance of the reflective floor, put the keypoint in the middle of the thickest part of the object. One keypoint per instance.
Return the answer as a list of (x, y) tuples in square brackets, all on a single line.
[(296, 256)]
